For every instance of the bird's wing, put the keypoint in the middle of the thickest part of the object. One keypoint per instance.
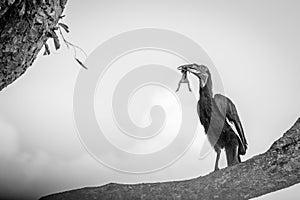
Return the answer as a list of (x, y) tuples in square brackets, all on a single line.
[(228, 109)]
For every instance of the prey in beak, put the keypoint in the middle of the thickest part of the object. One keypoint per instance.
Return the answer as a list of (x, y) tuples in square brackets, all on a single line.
[(201, 71), (184, 78)]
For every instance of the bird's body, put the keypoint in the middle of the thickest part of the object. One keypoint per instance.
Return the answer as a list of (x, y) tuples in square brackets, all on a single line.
[(215, 112)]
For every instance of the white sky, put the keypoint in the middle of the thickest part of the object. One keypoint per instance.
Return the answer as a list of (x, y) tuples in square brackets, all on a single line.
[(253, 44)]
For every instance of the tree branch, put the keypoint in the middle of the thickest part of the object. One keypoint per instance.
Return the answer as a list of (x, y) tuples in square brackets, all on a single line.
[(25, 26), (273, 170)]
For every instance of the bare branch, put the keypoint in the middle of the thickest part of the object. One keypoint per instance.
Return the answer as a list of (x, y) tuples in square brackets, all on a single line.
[(273, 170)]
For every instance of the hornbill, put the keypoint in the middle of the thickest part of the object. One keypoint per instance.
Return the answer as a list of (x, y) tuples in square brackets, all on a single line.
[(216, 112)]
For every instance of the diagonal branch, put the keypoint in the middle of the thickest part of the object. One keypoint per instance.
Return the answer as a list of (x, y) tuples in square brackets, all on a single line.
[(273, 170)]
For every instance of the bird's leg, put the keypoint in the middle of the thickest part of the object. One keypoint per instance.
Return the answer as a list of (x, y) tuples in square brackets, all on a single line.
[(218, 151), (237, 156), (232, 155)]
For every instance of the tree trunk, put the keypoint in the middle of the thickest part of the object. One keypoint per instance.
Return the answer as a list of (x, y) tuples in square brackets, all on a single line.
[(25, 26), (273, 170)]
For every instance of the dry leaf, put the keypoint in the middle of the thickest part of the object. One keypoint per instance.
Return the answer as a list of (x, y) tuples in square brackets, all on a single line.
[(64, 26), (80, 63), (47, 50), (56, 42)]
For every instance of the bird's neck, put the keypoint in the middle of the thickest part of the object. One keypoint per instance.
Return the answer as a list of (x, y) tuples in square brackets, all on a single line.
[(206, 91), (206, 104)]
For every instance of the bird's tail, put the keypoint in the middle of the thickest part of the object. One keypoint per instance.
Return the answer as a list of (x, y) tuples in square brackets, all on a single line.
[(239, 158), (242, 147)]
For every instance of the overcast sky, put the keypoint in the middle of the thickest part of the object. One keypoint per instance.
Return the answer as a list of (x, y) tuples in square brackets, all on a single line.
[(254, 46)]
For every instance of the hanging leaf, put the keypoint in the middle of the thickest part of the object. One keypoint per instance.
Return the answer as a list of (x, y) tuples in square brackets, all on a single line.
[(55, 39), (80, 63), (47, 49), (56, 42), (64, 26)]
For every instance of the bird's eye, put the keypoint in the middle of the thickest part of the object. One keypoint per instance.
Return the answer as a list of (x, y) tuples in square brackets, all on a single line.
[(203, 68)]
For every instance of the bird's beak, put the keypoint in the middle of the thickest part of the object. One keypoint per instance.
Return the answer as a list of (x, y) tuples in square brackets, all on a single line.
[(184, 67), (201, 74), (180, 68), (191, 69)]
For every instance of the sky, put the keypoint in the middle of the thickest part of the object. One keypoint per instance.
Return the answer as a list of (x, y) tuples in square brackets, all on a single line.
[(253, 48)]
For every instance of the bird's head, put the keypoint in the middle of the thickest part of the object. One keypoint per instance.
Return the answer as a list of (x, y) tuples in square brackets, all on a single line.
[(201, 71)]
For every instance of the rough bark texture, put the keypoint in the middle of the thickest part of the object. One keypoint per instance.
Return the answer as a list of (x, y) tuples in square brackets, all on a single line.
[(273, 170), (25, 26)]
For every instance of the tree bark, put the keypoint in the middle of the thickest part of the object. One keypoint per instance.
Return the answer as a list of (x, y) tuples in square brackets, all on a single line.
[(25, 26), (273, 170)]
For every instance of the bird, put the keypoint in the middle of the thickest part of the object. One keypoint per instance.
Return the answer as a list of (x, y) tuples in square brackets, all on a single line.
[(216, 113)]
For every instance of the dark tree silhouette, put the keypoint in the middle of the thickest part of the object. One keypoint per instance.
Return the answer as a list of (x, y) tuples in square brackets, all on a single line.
[(277, 168), (25, 26)]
